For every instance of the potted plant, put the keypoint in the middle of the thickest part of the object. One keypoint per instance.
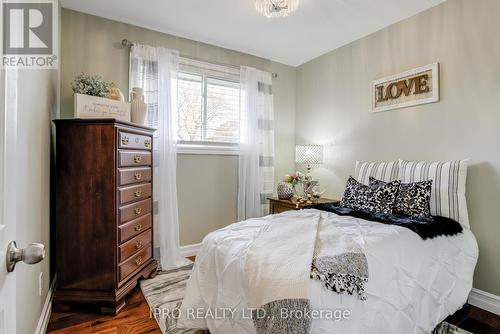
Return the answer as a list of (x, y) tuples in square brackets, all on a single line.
[(91, 99), (90, 85)]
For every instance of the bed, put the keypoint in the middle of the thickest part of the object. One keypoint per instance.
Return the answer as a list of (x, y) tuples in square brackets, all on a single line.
[(413, 282)]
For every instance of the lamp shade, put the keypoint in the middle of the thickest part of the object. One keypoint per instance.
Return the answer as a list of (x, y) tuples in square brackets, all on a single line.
[(309, 154)]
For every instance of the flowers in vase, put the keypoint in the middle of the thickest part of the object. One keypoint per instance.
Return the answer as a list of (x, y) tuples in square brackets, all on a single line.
[(296, 178)]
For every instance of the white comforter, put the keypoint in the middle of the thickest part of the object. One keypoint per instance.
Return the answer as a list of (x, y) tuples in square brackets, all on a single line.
[(413, 284)]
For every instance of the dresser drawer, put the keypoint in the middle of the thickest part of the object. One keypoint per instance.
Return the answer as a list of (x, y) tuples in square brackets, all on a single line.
[(134, 262), (132, 140), (134, 227), (135, 210), (134, 193), (133, 175), (135, 245), (134, 158)]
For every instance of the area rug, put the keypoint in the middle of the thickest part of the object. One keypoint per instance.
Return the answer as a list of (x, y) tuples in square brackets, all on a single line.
[(446, 328), (164, 295), (165, 292)]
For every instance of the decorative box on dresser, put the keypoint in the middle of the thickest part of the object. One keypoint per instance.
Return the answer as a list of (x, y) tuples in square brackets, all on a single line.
[(104, 227)]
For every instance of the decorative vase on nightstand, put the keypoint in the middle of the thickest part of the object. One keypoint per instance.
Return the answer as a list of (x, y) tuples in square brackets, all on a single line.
[(309, 186), (138, 106), (285, 190)]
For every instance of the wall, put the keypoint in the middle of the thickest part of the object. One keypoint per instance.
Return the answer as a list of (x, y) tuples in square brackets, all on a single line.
[(38, 104), (91, 44), (333, 108)]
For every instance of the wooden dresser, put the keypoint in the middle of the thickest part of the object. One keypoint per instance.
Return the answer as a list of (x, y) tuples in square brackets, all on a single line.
[(104, 226)]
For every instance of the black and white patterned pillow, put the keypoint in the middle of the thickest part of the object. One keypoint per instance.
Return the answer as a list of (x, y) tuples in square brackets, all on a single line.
[(378, 198), (448, 187), (413, 199)]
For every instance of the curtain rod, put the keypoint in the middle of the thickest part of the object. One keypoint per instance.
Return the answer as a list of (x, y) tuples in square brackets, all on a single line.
[(127, 44)]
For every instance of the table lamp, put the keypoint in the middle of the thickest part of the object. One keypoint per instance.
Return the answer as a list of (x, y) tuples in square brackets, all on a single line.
[(309, 155)]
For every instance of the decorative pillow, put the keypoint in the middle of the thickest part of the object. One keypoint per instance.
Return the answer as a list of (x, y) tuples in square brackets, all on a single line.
[(413, 199), (448, 186), (385, 171), (377, 198)]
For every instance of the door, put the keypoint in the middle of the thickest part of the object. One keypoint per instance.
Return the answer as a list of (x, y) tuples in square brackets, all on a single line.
[(8, 137)]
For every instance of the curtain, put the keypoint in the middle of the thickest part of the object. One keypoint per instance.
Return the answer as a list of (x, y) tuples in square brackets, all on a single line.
[(256, 159), (154, 69)]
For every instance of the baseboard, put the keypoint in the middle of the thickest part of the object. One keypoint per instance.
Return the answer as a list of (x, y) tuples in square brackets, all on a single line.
[(485, 300), (190, 250), (43, 322)]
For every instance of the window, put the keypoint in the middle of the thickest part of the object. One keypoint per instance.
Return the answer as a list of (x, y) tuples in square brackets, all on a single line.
[(208, 102)]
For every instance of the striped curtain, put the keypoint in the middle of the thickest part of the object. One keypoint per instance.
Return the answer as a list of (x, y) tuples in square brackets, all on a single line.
[(154, 69), (256, 159)]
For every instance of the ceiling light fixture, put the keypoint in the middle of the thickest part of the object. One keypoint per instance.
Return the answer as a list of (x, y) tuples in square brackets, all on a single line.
[(276, 8)]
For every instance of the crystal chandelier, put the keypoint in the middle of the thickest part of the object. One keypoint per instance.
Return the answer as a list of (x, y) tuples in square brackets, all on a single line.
[(276, 8)]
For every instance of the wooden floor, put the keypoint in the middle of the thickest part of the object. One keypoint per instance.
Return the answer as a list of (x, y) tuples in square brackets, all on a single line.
[(476, 320), (135, 319)]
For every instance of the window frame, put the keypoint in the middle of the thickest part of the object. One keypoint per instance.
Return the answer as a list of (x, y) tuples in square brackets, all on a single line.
[(208, 147)]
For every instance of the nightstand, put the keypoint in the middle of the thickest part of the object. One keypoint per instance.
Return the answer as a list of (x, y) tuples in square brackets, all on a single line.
[(277, 205)]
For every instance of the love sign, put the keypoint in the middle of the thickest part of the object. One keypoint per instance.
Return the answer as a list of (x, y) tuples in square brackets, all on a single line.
[(410, 88)]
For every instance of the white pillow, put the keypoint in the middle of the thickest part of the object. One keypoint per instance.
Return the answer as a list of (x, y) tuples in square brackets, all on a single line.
[(383, 171), (448, 186)]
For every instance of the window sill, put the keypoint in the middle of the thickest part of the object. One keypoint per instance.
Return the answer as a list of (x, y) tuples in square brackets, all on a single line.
[(207, 150)]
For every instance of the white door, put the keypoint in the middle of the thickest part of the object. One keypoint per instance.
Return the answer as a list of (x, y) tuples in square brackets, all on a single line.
[(8, 137)]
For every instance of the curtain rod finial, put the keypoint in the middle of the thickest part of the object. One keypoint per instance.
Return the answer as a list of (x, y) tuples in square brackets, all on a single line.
[(126, 43)]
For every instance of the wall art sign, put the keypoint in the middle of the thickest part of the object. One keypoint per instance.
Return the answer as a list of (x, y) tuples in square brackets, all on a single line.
[(87, 106), (410, 88)]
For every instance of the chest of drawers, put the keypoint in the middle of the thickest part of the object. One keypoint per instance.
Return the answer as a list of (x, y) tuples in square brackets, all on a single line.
[(103, 221)]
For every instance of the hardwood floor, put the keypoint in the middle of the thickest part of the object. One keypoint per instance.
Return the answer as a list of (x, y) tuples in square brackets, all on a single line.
[(135, 319), (476, 320)]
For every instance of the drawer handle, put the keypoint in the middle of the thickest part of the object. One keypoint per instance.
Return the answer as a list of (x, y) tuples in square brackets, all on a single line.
[(137, 159), (138, 227), (138, 260), (147, 143), (138, 193), (138, 244), (138, 210), (125, 140), (137, 176)]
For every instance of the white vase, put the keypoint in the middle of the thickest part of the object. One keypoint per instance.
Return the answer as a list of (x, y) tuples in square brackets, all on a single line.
[(138, 107)]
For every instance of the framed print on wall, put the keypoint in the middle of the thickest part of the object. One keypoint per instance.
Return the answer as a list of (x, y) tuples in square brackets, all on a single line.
[(410, 88)]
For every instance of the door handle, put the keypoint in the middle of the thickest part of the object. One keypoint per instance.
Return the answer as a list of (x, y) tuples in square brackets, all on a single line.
[(33, 253)]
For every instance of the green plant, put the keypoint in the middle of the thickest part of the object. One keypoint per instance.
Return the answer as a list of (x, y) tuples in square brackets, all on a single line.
[(90, 85)]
